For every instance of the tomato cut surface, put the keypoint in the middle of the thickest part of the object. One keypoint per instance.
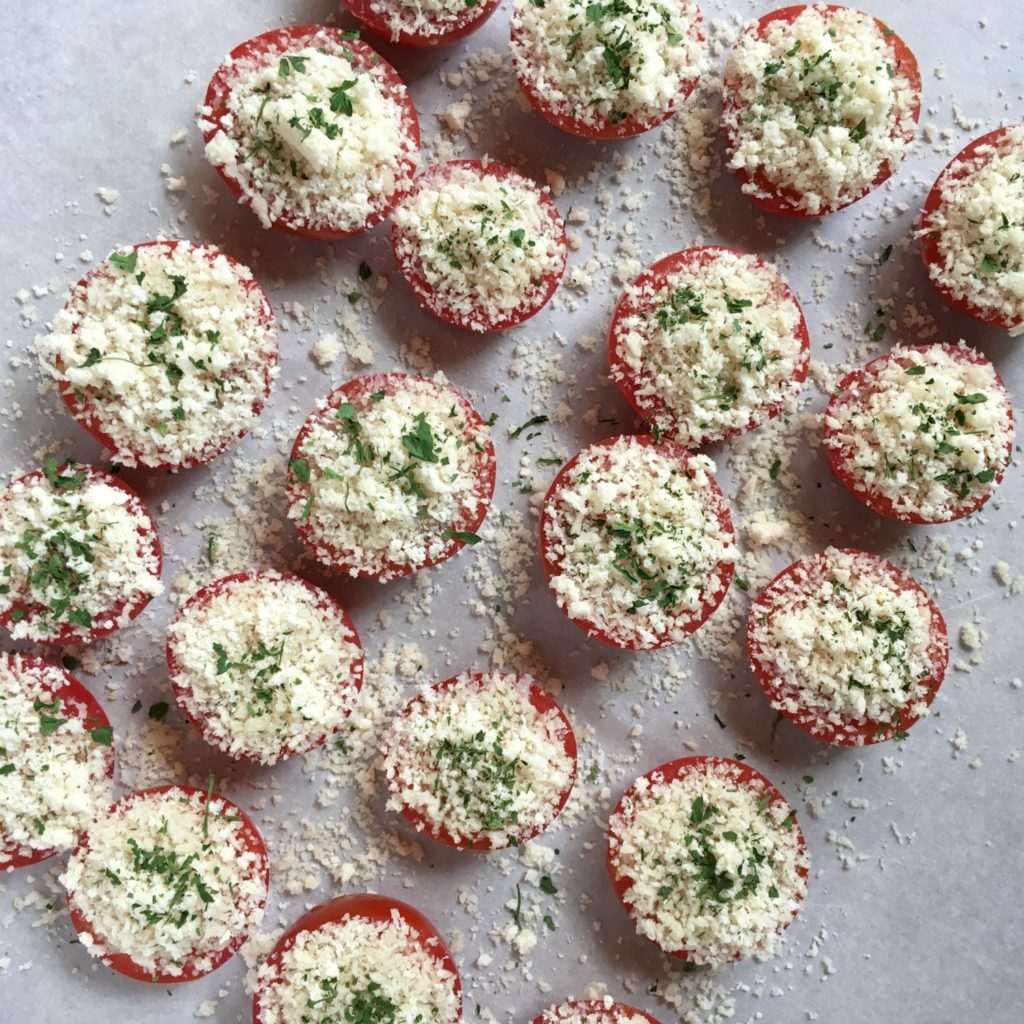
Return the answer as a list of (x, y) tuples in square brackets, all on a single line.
[(393, 22), (598, 1010)]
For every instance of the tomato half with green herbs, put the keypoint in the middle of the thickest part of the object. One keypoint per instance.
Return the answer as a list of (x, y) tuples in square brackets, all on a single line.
[(404, 24)]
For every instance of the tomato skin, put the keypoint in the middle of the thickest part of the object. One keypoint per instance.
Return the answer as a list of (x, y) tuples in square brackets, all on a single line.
[(366, 11), (544, 703), (783, 201), (859, 381), (358, 390), (371, 907), (72, 694), (629, 384), (108, 623), (853, 734), (669, 772), (124, 964), (202, 597), (364, 58), (959, 167), (712, 597), (480, 321), (615, 1013), (81, 408)]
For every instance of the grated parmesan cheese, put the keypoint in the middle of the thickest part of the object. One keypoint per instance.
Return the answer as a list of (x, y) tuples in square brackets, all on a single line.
[(594, 1011), (426, 21)]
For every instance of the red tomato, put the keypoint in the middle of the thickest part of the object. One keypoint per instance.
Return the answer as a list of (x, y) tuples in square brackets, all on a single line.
[(606, 130), (358, 392), (638, 299), (370, 907), (959, 167), (779, 690), (712, 596), (377, 15), (81, 408), (106, 623), (75, 702), (201, 598), (533, 302), (677, 769), (271, 45), (862, 382), (544, 703), (780, 199), (253, 842), (602, 1012)]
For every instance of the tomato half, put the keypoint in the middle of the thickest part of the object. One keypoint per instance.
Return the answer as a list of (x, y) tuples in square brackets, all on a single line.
[(480, 319), (862, 382), (963, 164), (544, 704), (779, 690), (779, 199), (253, 842), (718, 584), (109, 621), (270, 46), (677, 769), (602, 1012), (358, 392), (200, 599), (77, 400), (640, 298), (75, 702), (370, 907), (378, 17)]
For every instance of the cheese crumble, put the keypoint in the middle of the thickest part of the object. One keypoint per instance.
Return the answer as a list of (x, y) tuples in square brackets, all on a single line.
[(477, 760), (637, 542), (424, 20), (482, 246), (169, 880), (55, 763), (167, 351), (818, 109), (921, 434), (78, 555), (713, 866), (710, 346), (266, 665), (594, 1011)]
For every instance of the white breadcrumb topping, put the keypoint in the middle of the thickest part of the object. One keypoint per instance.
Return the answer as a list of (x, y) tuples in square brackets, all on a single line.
[(714, 864), (606, 62), (926, 429), (484, 242), (594, 1011), (168, 881), (170, 348), (978, 229), (313, 136), (392, 477), (266, 663), (712, 349), (848, 640), (53, 760), (424, 18), (360, 970), (817, 107), (634, 530), (77, 554), (477, 759)]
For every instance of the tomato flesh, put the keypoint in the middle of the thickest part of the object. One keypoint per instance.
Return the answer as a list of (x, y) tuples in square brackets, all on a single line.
[(373, 14)]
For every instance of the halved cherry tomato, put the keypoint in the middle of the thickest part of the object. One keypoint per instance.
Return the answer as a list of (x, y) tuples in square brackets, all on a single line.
[(780, 199), (76, 702), (379, 17), (805, 575), (359, 392), (641, 298), (678, 769), (82, 410), (270, 46), (109, 621), (718, 584), (598, 1009), (199, 600), (369, 907), (253, 843), (544, 704), (480, 319)]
